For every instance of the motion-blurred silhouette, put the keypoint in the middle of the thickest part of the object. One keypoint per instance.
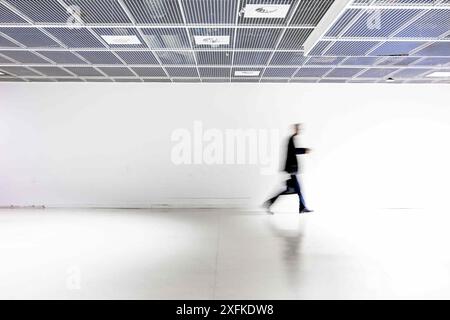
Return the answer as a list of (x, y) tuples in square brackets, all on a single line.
[(291, 167)]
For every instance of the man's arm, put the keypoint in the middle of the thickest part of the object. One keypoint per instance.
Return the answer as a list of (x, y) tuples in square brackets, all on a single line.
[(302, 150)]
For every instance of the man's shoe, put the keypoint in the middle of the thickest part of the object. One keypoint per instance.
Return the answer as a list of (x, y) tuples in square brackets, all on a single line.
[(267, 206), (305, 211)]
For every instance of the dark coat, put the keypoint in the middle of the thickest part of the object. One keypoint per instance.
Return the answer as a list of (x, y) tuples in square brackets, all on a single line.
[(291, 165)]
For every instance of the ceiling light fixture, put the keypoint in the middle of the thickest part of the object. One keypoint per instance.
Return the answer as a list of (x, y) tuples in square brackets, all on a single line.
[(439, 74), (390, 80), (212, 40), (121, 40), (266, 11), (246, 73)]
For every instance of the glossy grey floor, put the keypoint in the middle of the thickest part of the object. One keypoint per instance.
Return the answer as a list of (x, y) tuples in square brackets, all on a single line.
[(223, 254)]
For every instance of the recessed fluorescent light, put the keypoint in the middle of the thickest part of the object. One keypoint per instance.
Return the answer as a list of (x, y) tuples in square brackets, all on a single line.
[(127, 39), (246, 73), (266, 10), (439, 74), (212, 40)]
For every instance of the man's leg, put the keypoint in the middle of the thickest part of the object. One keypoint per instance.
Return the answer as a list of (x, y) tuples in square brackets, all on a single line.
[(298, 190)]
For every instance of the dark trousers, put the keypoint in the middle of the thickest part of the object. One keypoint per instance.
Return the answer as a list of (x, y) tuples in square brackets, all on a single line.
[(292, 187)]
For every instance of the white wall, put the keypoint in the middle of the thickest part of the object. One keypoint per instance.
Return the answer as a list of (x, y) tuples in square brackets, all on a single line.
[(97, 144)]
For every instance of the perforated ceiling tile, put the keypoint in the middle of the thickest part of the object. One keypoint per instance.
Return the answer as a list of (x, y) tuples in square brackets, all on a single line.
[(99, 57), (257, 38), (279, 72), (377, 73), (343, 72), (62, 57), (84, 71), (156, 72), (176, 57), (380, 23), (349, 48), (287, 58), (212, 38), (319, 48), (214, 72), (397, 61), (9, 17), (396, 48), (433, 62), (265, 12), (360, 61), (245, 80), (186, 80), (294, 38), (431, 25), (30, 37), (137, 57), (409, 73), (5, 60), (52, 71), (218, 80), (406, 2), (307, 72), (24, 57), (155, 11), (251, 58), (5, 43), (117, 71), (214, 57), (163, 38), (310, 12), (76, 38), (100, 11), (437, 49), (324, 61), (210, 11), (344, 20), (188, 72), (42, 11), (20, 71)]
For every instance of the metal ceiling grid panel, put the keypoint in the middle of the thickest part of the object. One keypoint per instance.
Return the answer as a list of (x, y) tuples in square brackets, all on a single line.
[(53, 71), (410, 73), (214, 72), (182, 72), (405, 2), (348, 48), (68, 80), (343, 72), (20, 71), (5, 43), (209, 58), (437, 49), (156, 72), (396, 48), (219, 80), (320, 47), (287, 58), (259, 58), (210, 11), (324, 61), (211, 35), (433, 24), (100, 11), (244, 20), (30, 37), (42, 11), (279, 72), (25, 57), (9, 17), (163, 38), (343, 22), (256, 38), (360, 61), (332, 81), (380, 23), (377, 73), (5, 60), (99, 57), (62, 57), (84, 71), (307, 72), (310, 12), (76, 38), (156, 80), (245, 80), (98, 80), (127, 80), (436, 62), (117, 71), (137, 57), (157, 12), (397, 61), (294, 38), (186, 80), (267, 80), (101, 32), (176, 57)]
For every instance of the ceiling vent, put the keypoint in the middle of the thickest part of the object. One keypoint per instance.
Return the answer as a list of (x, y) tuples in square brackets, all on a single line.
[(266, 10), (212, 40), (246, 73), (121, 40)]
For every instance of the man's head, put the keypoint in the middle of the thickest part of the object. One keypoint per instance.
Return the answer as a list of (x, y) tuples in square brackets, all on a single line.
[(296, 128)]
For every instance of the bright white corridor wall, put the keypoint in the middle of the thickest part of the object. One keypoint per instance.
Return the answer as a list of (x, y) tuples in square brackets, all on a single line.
[(96, 144)]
